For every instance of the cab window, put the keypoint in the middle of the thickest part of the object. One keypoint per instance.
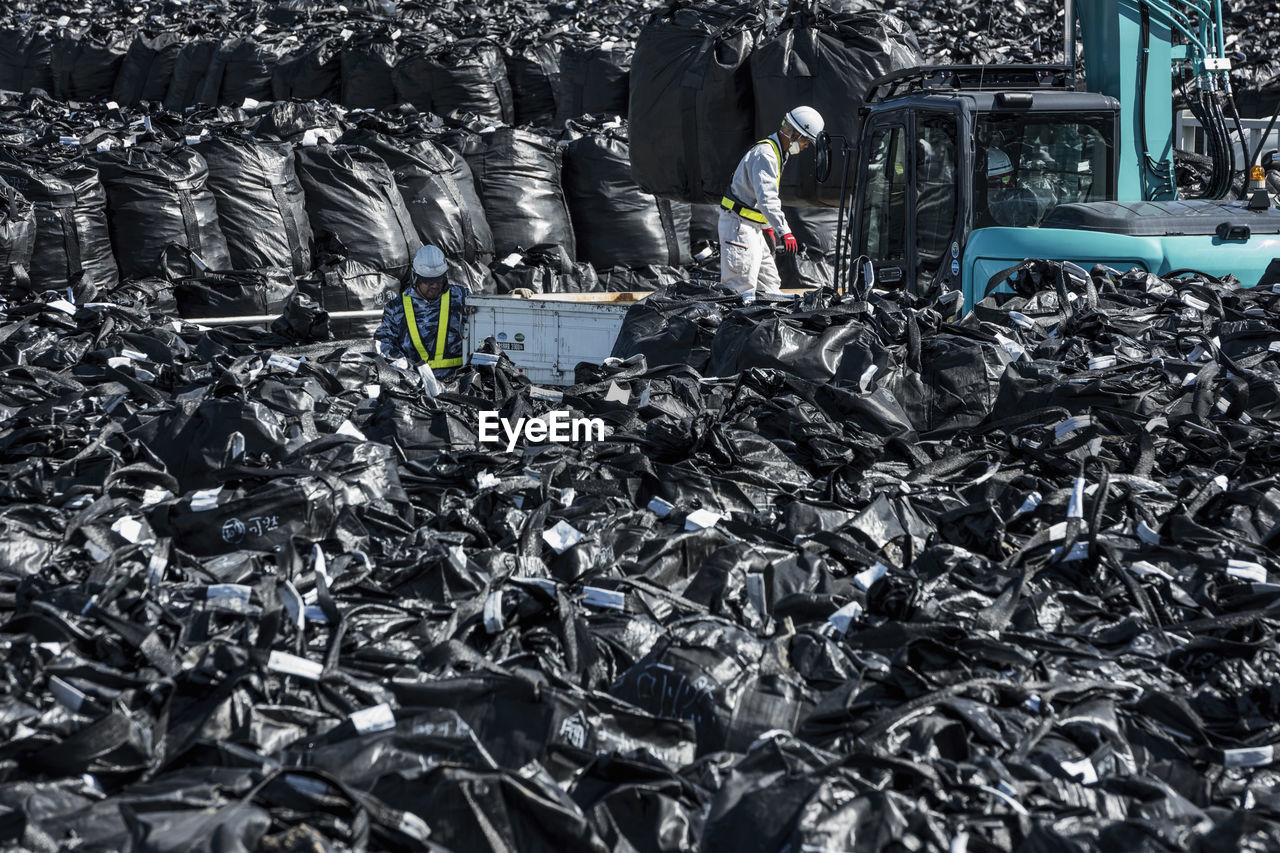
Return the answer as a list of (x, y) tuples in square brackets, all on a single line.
[(936, 188), (883, 235)]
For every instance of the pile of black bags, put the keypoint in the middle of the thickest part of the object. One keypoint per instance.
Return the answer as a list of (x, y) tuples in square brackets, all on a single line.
[(1004, 582)]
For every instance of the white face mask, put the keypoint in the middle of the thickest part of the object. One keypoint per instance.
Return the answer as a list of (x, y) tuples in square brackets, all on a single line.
[(793, 147)]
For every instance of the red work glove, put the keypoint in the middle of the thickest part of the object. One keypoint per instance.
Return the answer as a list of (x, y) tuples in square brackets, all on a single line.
[(789, 243), (771, 240)]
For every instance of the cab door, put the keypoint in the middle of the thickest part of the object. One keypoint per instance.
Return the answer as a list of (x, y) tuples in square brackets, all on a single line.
[(909, 215), (882, 221)]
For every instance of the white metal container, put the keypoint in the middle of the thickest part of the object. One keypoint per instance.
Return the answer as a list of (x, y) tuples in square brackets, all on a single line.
[(547, 334)]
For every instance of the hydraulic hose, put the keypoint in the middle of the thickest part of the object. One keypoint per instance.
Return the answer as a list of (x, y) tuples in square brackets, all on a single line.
[(1162, 170)]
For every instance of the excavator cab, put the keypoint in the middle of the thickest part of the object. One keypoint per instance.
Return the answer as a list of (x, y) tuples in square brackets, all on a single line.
[(961, 172), (941, 156)]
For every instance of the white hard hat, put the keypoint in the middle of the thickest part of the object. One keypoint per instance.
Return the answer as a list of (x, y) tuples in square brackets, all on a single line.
[(999, 163), (430, 262), (807, 120)]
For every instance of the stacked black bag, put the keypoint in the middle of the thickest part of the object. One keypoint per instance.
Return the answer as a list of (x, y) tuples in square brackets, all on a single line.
[(157, 195), (261, 207), (72, 241), (615, 223), (826, 60), (691, 106)]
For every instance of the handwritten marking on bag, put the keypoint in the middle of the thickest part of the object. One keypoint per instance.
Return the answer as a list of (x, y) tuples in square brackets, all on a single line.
[(234, 530)]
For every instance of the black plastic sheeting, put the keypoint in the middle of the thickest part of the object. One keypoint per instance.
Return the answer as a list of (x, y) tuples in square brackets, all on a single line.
[(615, 223), (269, 597)]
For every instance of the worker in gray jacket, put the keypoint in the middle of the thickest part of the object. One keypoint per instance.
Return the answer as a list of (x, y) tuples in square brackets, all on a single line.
[(751, 211), (425, 323)]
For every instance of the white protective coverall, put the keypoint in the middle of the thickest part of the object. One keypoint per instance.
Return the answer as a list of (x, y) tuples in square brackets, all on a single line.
[(746, 262)]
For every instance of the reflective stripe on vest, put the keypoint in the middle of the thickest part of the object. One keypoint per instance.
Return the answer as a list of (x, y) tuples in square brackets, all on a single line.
[(442, 333), (750, 213)]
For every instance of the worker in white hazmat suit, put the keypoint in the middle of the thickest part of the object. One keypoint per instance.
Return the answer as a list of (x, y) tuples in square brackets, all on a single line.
[(751, 217)]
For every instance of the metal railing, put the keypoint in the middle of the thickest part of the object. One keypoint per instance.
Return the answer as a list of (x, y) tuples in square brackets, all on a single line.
[(1190, 136), (268, 319)]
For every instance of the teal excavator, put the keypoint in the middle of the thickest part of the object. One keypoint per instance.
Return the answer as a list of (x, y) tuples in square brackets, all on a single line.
[(963, 171)]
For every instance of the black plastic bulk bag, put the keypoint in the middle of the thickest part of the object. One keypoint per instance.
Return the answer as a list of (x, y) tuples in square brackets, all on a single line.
[(691, 106), (545, 269), (352, 196), (532, 70), (312, 73), (468, 76), (261, 206), (615, 223), (26, 58), (300, 122), (473, 275), (438, 189), (804, 344), (254, 517), (233, 293), (147, 69), (367, 61), (594, 78), (72, 236), (241, 68), (826, 63), (187, 83), (85, 66), (193, 441), (517, 174), (17, 235), (347, 285), (639, 279), (721, 677), (157, 195), (954, 384), (670, 330)]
